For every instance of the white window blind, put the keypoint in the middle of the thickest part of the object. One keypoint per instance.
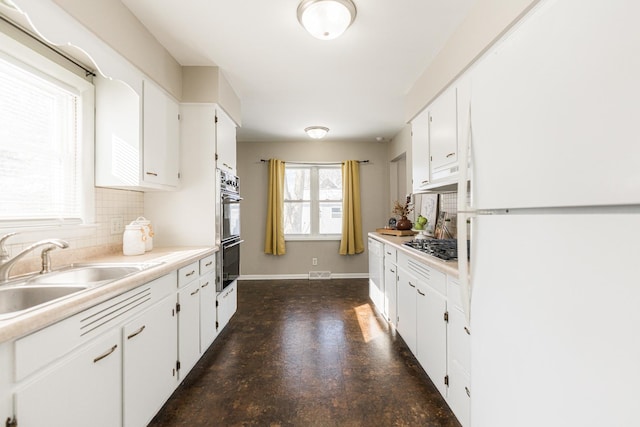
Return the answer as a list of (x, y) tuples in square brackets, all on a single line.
[(312, 201), (40, 157)]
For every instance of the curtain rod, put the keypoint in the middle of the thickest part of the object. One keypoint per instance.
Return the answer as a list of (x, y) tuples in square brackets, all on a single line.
[(316, 163), (88, 72)]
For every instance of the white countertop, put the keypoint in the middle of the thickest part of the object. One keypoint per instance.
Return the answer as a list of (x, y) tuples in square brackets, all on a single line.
[(447, 267), (171, 258)]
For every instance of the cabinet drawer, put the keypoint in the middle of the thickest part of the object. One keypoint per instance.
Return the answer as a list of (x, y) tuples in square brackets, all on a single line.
[(390, 254), (207, 264), (432, 277), (188, 273)]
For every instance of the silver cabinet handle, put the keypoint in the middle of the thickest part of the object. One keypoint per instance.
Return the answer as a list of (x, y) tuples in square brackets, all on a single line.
[(421, 292), (467, 330), (107, 353), (136, 332), (205, 285), (152, 173), (450, 154), (195, 292), (468, 391), (191, 273)]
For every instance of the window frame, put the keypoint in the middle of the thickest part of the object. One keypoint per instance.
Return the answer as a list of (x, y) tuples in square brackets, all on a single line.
[(24, 52), (314, 203)]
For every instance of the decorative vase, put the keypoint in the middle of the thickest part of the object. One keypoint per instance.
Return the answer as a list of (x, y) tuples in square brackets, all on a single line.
[(404, 224)]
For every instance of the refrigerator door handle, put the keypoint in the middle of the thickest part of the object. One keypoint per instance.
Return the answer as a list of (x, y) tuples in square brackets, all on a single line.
[(465, 213)]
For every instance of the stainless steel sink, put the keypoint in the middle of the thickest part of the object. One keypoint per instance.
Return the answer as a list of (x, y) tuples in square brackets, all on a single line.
[(16, 299), (88, 275), (23, 294)]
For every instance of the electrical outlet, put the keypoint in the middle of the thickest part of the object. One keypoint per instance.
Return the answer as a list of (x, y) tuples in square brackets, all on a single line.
[(314, 261), (117, 225)]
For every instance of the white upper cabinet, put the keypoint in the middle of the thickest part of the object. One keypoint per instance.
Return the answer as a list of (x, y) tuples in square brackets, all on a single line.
[(443, 135), (225, 142), (420, 151), (161, 130), (137, 136)]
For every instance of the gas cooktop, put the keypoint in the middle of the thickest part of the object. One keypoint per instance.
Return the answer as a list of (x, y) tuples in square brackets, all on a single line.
[(445, 249)]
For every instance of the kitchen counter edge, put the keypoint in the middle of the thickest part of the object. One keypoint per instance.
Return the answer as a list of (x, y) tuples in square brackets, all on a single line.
[(171, 259), (447, 267)]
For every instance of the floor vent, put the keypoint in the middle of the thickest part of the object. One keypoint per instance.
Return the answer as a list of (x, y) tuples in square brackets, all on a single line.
[(319, 275)]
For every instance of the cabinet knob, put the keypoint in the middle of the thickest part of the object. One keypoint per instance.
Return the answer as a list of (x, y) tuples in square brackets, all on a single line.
[(466, 389), (467, 330), (152, 173), (450, 154), (195, 292)]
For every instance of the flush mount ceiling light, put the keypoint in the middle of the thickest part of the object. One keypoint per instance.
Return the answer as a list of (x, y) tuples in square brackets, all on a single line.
[(316, 132), (326, 19)]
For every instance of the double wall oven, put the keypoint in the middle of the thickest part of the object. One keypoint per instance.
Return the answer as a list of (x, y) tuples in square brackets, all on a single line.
[(229, 226)]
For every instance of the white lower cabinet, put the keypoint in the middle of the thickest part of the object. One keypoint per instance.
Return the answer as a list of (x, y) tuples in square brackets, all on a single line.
[(208, 312), (431, 333), (227, 304), (407, 315), (189, 327), (430, 319), (116, 363), (83, 389), (390, 292), (149, 362)]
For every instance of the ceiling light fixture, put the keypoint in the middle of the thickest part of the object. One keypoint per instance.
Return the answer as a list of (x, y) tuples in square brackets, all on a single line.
[(326, 19), (316, 132)]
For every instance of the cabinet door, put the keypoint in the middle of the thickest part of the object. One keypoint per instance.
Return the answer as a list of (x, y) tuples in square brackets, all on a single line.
[(227, 305), (432, 334), (390, 292), (407, 309), (118, 156), (443, 132), (189, 327), (83, 390), (376, 273), (420, 150), (161, 132), (458, 362), (208, 312), (225, 142), (149, 362)]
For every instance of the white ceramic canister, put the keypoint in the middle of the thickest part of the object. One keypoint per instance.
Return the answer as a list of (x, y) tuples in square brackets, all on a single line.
[(148, 231), (133, 240)]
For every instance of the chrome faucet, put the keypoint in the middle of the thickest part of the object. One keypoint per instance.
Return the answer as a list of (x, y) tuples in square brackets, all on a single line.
[(7, 264)]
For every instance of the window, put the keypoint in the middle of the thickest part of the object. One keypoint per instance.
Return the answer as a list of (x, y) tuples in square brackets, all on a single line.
[(312, 201), (45, 124)]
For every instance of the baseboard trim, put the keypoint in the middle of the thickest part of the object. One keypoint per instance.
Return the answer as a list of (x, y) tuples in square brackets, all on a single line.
[(301, 276)]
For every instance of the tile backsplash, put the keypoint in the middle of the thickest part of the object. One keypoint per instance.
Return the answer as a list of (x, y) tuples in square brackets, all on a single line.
[(85, 241)]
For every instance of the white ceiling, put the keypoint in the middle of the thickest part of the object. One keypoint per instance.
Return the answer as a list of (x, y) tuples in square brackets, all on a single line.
[(288, 80)]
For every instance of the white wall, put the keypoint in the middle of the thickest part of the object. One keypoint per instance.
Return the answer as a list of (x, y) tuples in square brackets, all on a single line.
[(297, 260), (487, 20), (119, 28)]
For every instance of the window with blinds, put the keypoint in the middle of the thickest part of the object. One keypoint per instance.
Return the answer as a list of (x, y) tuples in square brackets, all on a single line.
[(40, 147)]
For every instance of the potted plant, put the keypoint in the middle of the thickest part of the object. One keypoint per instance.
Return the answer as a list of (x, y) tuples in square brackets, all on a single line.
[(402, 210)]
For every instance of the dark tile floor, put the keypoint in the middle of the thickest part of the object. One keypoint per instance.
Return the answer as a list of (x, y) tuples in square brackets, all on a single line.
[(306, 353)]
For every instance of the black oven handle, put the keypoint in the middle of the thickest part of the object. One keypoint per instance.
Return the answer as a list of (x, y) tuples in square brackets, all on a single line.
[(225, 246)]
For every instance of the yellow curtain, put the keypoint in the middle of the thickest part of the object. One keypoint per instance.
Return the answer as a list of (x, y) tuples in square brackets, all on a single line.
[(274, 241), (351, 242)]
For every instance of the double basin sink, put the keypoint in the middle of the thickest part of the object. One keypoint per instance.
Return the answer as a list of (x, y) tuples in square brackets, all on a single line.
[(31, 292)]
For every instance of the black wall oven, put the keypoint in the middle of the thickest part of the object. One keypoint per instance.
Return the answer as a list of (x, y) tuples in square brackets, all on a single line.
[(229, 208)]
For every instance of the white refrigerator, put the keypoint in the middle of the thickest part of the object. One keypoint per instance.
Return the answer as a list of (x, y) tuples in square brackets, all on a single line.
[(553, 286)]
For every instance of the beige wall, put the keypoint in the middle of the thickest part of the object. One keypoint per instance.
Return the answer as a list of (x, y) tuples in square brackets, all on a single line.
[(119, 28), (487, 20), (253, 187)]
